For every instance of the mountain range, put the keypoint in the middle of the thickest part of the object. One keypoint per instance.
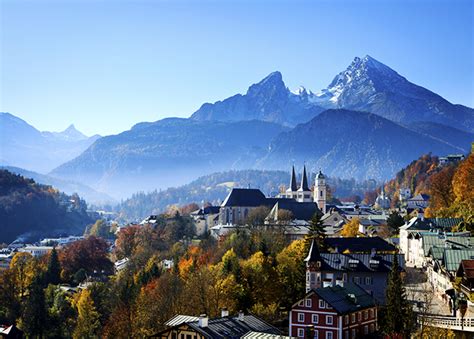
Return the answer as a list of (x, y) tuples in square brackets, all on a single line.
[(368, 123), (22, 145)]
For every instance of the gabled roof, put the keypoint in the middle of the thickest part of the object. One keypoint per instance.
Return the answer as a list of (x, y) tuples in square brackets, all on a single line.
[(250, 197), (179, 319), (313, 254), (345, 299), (304, 181), (300, 210), (231, 327), (421, 196), (452, 258), (360, 245), (466, 269)]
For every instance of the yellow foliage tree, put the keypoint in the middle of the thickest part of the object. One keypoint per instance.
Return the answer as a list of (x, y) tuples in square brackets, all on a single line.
[(463, 187), (88, 318), (351, 229)]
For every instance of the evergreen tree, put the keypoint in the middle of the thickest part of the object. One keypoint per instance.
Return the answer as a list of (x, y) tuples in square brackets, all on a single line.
[(53, 271), (34, 311), (398, 317), (317, 232), (88, 318), (395, 220)]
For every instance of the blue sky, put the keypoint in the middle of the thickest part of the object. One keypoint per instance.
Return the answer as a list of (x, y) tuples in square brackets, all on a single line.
[(106, 65)]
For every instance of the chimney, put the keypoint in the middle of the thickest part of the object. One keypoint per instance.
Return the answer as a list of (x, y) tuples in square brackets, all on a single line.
[(339, 282), (240, 316), (203, 320), (373, 252), (224, 312)]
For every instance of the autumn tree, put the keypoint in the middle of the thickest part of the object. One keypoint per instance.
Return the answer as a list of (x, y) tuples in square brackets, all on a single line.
[(441, 189), (256, 216), (351, 229), (90, 254), (88, 324), (23, 266), (284, 216), (100, 229), (463, 188)]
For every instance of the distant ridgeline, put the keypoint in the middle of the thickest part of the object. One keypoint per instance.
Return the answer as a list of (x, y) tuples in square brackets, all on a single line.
[(215, 187), (30, 210)]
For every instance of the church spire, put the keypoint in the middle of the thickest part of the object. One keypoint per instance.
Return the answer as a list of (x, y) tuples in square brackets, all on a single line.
[(293, 187), (304, 181)]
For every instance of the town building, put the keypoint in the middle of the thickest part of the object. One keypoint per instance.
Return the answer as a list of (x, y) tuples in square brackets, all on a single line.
[(320, 191), (382, 201), (188, 327), (36, 251), (333, 312), (451, 159), (465, 283), (418, 202), (205, 218), (333, 220), (404, 193), (303, 192), (369, 271), (360, 245)]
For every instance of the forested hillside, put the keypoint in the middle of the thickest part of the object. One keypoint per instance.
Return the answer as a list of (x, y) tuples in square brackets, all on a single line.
[(214, 188), (32, 210)]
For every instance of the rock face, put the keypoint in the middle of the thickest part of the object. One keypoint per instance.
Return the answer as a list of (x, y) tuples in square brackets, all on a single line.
[(269, 100), (351, 144), (368, 85), (22, 145)]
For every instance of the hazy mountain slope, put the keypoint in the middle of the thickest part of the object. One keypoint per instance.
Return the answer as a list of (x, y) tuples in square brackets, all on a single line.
[(66, 186), (22, 145), (368, 85), (351, 144), (33, 210), (269, 100), (167, 153), (453, 136)]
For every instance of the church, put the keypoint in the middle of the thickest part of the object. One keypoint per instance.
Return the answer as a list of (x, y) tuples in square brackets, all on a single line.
[(303, 193)]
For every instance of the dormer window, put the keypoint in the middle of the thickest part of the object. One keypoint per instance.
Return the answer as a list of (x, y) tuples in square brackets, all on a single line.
[(353, 263), (374, 263)]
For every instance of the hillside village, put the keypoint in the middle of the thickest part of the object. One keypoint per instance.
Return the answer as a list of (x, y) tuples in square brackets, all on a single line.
[(338, 266)]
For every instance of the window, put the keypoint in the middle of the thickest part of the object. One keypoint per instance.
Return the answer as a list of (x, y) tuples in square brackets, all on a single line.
[(353, 317), (372, 328), (357, 280), (353, 333), (371, 312), (321, 303), (316, 334), (359, 316), (346, 319), (346, 334), (366, 329), (300, 333), (301, 317), (315, 318), (344, 276), (329, 319), (368, 280), (313, 277), (366, 315), (308, 303), (328, 335), (188, 336), (320, 193)]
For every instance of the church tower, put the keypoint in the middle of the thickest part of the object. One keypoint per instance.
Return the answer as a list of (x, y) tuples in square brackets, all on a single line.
[(313, 267), (320, 191), (291, 192), (304, 193)]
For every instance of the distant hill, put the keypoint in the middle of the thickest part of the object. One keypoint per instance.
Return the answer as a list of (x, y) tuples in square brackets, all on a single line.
[(351, 144), (215, 187), (24, 146), (30, 210), (66, 186), (168, 153)]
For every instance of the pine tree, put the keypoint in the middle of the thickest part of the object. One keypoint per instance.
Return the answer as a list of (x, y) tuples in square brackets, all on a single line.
[(53, 272), (34, 312), (317, 232), (88, 318), (395, 220), (398, 312)]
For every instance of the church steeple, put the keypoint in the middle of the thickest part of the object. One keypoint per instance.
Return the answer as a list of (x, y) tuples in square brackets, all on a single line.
[(293, 187), (304, 181), (313, 267)]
